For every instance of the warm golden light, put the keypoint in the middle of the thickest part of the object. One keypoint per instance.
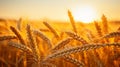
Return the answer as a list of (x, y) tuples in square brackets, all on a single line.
[(85, 14)]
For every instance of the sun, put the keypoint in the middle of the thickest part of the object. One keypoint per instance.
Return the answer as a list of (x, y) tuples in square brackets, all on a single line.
[(85, 14)]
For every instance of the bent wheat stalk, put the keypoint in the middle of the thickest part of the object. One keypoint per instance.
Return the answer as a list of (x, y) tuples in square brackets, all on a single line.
[(79, 49)]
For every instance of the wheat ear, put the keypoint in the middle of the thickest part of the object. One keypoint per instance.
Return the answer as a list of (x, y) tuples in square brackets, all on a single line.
[(20, 46), (51, 29), (44, 30), (44, 37), (17, 33), (98, 28), (112, 34), (62, 44), (32, 43), (79, 49), (72, 21), (105, 24), (76, 37), (7, 37)]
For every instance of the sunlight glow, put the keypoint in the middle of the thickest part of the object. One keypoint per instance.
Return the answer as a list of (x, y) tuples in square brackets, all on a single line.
[(85, 14)]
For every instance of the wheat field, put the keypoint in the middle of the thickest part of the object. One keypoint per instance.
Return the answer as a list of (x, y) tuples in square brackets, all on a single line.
[(54, 44)]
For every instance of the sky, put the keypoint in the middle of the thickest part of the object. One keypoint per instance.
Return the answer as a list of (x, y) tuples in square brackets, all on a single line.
[(57, 9)]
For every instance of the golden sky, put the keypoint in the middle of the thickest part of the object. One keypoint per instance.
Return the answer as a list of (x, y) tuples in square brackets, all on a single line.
[(57, 9)]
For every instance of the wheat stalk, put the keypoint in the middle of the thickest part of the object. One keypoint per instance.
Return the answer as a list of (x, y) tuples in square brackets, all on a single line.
[(72, 21), (79, 49), (76, 37), (7, 37), (51, 29)]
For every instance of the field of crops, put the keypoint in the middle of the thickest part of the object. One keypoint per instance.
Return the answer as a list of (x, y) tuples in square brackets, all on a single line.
[(25, 43)]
